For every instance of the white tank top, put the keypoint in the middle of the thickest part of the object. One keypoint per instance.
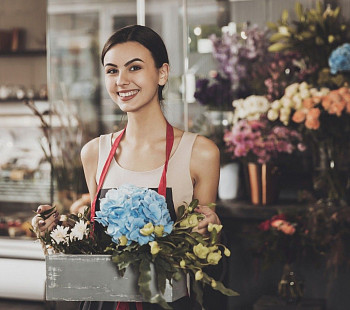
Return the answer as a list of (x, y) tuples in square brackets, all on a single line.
[(179, 181)]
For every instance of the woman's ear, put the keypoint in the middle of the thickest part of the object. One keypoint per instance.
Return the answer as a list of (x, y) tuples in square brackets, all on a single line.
[(163, 74)]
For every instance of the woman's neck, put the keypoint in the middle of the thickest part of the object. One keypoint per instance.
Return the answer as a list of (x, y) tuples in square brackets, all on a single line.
[(146, 126)]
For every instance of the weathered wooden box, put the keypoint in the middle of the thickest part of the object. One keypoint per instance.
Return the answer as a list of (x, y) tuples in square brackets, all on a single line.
[(95, 277)]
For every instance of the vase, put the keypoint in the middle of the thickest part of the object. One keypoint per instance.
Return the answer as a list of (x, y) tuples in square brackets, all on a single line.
[(331, 171), (290, 287), (263, 183), (229, 181)]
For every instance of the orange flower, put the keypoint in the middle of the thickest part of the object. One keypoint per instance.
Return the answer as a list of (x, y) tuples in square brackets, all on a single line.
[(326, 102), (346, 97), (343, 90), (337, 108), (348, 107), (299, 116), (308, 103), (312, 121), (334, 95), (316, 99), (283, 226)]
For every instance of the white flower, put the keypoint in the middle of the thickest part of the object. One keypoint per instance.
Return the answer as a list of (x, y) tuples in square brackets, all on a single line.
[(298, 101), (272, 115), (276, 105), (286, 102), (324, 91), (283, 30), (79, 231), (291, 90), (60, 234), (303, 86), (304, 93)]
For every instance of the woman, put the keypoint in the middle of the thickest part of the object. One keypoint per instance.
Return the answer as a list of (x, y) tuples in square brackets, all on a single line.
[(136, 68)]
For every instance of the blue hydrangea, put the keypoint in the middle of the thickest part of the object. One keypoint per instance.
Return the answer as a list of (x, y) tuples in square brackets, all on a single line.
[(340, 59), (124, 211)]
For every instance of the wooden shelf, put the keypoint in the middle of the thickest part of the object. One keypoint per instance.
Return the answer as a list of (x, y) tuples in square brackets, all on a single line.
[(23, 53)]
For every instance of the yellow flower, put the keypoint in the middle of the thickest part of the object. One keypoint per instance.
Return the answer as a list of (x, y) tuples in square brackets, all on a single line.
[(191, 221), (147, 229), (123, 240), (227, 252), (217, 227), (154, 247), (182, 264), (199, 275), (213, 283), (159, 230), (214, 258), (200, 250), (213, 248)]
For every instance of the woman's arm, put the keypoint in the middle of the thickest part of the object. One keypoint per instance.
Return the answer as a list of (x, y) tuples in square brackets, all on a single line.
[(205, 171), (89, 159)]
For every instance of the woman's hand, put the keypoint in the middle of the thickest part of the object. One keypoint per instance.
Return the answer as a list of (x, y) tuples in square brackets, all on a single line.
[(40, 225), (210, 217)]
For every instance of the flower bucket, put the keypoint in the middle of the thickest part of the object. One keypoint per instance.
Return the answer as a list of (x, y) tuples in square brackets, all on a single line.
[(263, 183), (95, 278)]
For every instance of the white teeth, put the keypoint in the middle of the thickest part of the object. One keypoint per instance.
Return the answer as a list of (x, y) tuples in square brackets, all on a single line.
[(130, 93)]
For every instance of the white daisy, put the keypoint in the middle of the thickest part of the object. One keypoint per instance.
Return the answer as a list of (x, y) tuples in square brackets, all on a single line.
[(60, 234), (79, 230)]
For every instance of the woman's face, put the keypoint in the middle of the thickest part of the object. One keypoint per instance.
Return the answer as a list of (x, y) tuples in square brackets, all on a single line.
[(131, 76)]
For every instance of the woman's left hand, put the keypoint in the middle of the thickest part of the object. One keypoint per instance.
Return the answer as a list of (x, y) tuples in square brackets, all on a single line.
[(210, 217)]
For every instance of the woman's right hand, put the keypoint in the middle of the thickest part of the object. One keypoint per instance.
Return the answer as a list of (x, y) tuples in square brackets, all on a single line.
[(41, 225)]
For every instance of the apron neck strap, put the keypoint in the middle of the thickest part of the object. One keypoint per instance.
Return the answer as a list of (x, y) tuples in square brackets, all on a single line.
[(162, 183)]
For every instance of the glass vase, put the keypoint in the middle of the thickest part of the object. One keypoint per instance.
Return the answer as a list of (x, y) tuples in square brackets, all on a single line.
[(290, 287)]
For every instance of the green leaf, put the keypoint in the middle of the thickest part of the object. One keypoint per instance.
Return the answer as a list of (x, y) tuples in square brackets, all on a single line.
[(278, 36), (180, 211), (161, 301), (161, 277), (319, 7), (299, 10), (145, 279), (336, 12), (272, 26), (224, 290), (193, 204), (198, 290), (284, 16), (278, 47), (213, 236)]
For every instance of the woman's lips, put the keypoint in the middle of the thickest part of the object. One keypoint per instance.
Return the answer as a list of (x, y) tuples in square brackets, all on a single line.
[(127, 95)]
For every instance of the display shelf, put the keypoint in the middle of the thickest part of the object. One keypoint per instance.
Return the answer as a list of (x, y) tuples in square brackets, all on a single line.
[(23, 53), (25, 191)]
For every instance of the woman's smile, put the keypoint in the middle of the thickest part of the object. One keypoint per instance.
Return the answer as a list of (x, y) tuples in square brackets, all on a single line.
[(126, 95)]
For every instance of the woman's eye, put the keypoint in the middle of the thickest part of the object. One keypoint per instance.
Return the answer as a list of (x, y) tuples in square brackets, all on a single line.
[(111, 71), (135, 68)]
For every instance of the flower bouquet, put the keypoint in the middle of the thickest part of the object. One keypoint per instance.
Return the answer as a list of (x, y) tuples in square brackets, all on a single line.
[(260, 142), (138, 232)]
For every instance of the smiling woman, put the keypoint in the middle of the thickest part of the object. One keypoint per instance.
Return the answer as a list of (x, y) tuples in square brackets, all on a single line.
[(149, 152)]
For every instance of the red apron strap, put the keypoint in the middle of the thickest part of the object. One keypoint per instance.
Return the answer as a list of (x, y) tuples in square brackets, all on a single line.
[(162, 183), (139, 306), (121, 305), (169, 146), (103, 175)]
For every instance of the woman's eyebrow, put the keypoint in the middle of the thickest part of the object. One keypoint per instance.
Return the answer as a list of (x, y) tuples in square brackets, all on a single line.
[(126, 64)]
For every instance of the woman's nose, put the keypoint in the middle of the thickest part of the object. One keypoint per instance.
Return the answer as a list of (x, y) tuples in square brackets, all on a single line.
[(122, 78)]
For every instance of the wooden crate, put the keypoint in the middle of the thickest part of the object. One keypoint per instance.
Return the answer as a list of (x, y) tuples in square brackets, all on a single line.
[(95, 277)]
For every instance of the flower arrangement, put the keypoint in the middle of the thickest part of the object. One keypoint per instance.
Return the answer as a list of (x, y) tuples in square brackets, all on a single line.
[(250, 108), (215, 92), (295, 97), (257, 141), (242, 57), (314, 34), (339, 60), (283, 238), (139, 232)]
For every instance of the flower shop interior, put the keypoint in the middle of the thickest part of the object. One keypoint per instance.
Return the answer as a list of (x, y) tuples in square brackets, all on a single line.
[(267, 80)]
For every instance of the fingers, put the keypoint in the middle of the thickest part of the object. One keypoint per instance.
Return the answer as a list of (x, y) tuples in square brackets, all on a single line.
[(43, 208), (48, 223)]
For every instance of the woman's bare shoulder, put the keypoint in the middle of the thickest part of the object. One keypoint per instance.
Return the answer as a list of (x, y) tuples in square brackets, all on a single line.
[(205, 149), (89, 152)]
